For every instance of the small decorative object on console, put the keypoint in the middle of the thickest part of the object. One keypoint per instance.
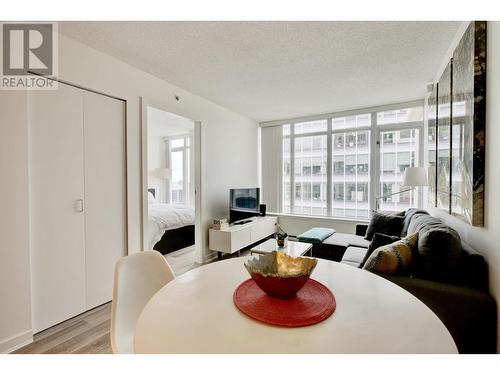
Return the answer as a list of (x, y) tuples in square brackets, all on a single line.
[(280, 275), (220, 224), (281, 237)]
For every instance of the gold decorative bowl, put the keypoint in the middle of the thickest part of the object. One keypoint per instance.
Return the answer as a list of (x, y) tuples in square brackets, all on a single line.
[(280, 275)]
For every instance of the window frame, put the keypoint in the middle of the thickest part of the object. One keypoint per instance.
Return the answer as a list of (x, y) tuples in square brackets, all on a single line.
[(374, 154)]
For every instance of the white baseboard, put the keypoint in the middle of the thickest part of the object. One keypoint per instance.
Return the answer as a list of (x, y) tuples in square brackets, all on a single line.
[(15, 342)]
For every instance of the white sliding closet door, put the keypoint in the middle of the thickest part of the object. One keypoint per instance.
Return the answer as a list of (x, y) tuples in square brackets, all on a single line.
[(56, 219), (77, 200), (105, 193)]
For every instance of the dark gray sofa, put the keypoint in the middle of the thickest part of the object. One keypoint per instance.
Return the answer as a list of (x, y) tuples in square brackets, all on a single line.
[(449, 277)]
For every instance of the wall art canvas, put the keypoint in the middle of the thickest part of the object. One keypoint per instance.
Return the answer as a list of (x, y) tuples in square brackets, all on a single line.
[(432, 144), (443, 161), (456, 135), (468, 125)]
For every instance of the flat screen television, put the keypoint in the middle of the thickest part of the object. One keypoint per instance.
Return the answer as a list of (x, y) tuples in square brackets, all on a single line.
[(243, 203)]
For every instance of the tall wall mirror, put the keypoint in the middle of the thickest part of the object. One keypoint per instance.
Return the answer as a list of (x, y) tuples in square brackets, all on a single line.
[(171, 171)]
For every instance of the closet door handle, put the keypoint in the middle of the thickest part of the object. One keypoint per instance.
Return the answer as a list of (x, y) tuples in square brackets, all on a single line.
[(79, 205)]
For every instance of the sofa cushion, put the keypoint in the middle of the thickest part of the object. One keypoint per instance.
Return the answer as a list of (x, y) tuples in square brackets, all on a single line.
[(438, 253), (395, 258), (439, 248), (378, 240), (345, 240), (390, 224), (408, 216), (315, 235), (349, 263), (354, 256), (423, 221)]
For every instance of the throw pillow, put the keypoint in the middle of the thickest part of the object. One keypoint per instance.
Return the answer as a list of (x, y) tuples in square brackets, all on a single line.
[(439, 249), (393, 258), (389, 224), (378, 240)]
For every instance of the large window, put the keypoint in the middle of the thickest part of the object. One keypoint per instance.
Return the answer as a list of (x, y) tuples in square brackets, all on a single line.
[(342, 165)]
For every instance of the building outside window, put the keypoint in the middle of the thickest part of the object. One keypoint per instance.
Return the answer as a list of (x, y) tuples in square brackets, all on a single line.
[(316, 191), (388, 138), (338, 165)]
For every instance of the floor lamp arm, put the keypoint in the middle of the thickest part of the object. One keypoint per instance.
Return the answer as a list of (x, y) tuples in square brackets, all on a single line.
[(377, 199)]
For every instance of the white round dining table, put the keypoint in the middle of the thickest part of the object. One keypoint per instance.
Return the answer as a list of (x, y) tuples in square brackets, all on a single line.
[(195, 313)]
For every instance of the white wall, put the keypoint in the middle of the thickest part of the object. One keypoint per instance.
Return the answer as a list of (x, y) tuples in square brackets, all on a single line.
[(156, 159), (487, 239), (15, 305), (228, 153)]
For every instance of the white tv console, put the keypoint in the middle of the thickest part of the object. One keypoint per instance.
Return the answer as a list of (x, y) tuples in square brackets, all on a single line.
[(237, 237)]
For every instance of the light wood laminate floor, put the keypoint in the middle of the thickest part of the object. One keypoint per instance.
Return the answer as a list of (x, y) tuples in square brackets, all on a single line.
[(88, 333)]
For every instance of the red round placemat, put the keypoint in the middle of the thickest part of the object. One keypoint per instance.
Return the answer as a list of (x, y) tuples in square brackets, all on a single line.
[(312, 304)]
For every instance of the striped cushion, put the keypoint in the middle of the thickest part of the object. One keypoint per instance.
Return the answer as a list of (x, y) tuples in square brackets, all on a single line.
[(394, 258)]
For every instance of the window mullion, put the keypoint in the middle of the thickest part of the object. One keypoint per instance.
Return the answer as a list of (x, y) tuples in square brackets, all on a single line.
[(186, 171), (307, 135), (166, 183), (374, 162), (184, 175), (292, 168), (396, 164), (421, 164), (344, 130), (280, 195), (402, 125), (329, 172)]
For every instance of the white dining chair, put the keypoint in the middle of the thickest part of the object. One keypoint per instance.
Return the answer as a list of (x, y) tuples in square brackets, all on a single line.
[(137, 278)]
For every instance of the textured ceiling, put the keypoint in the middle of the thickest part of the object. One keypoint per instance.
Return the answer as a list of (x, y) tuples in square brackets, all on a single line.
[(275, 70)]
